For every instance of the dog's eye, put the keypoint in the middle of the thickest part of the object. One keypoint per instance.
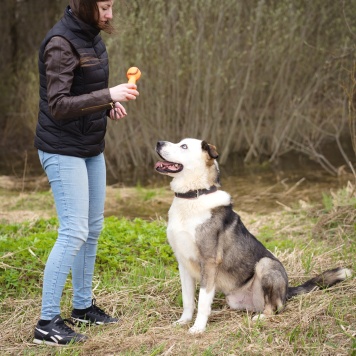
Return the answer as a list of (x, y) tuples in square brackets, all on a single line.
[(184, 147)]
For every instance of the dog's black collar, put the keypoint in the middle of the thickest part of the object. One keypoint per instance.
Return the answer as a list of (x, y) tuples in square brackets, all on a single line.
[(191, 194)]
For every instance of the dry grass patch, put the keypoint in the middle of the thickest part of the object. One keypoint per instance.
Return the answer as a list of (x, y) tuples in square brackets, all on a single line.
[(147, 297), (320, 323)]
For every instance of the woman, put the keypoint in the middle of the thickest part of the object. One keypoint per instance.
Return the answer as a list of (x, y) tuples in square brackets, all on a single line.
[(74, 103)]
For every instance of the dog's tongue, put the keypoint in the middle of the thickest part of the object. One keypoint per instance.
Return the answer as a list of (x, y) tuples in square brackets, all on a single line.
[(164, 165)]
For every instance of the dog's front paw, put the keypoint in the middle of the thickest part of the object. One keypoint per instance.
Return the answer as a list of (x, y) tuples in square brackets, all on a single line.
[(182, 321), (196, 329), (199, 325)]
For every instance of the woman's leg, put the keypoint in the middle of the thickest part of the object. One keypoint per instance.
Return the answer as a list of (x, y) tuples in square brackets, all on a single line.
[(83, 267), (69, 182)]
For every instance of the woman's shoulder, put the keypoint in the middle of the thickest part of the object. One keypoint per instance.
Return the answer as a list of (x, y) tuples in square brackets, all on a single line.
[(60, 41), (58, 49)]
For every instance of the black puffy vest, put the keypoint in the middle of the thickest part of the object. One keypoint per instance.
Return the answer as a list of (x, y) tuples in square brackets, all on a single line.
[(82, 136)]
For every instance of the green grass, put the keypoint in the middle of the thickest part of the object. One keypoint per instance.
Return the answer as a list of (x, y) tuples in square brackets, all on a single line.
[(123, 245)]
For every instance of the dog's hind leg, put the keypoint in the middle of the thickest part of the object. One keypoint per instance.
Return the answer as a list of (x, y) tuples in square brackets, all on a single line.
[(188, 295), (272, 281)]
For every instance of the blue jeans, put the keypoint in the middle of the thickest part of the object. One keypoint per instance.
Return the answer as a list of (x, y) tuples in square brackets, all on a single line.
[(78, 186)]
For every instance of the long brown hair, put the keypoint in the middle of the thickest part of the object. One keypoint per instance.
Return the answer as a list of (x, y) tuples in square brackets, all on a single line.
[(87, 11)]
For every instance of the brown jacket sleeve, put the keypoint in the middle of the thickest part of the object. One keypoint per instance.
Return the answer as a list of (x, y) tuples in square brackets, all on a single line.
[(60, 62)]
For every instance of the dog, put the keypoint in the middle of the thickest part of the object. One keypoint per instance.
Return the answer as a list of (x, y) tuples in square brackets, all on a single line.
[(212, 245)]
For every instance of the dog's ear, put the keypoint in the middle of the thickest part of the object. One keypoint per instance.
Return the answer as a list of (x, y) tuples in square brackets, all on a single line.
[(210, 149)]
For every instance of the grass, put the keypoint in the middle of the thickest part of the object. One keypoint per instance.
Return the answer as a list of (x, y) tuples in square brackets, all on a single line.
[(136, 279)]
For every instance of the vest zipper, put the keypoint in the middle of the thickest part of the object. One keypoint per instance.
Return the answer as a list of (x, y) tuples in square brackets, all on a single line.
[(112, 104)]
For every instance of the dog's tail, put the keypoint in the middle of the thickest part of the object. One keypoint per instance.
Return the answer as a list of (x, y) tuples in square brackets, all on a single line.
[(324, 280)]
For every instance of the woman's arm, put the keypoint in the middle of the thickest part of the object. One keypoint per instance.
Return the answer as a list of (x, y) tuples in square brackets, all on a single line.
[(60, 61)]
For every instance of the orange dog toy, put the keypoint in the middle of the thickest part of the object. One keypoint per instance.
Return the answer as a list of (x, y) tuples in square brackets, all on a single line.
[(133, 74)]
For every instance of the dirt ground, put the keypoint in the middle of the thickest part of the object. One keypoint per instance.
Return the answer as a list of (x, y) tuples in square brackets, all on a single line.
[(30, 198)]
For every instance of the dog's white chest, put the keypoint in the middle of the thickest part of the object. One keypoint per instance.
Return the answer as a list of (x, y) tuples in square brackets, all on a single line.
[(182, 224)]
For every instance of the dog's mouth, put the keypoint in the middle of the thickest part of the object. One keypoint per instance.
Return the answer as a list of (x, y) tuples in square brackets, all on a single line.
[(165, 167)]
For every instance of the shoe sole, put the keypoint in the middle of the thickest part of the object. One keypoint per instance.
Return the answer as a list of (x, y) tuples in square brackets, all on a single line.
[(88, 322), (80, 322), (49, 343)]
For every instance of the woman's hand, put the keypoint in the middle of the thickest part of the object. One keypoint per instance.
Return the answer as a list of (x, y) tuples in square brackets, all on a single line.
[(124, 92), (118, 112)]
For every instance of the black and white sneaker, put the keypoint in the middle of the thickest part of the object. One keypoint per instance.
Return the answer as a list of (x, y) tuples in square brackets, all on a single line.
[(92, 315), (57, 333)]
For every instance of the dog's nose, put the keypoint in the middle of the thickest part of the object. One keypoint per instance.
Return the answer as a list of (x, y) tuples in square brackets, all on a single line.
[(159, 144)]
